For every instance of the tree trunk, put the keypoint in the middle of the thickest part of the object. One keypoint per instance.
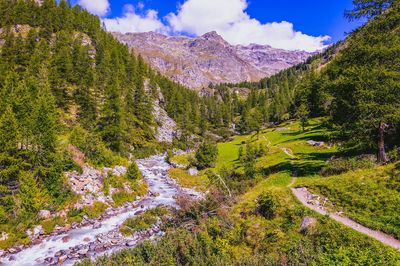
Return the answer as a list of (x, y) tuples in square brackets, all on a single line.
[(398, 153), (382, 157)]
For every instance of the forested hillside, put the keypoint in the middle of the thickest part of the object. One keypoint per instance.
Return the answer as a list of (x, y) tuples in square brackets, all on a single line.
[(65, 81), (355, 82)]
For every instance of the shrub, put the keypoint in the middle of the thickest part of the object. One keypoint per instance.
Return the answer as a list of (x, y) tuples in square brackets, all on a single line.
[(120, 198), (133, 172), (95, 210), (266, 205), (206, 155), (142, 222)]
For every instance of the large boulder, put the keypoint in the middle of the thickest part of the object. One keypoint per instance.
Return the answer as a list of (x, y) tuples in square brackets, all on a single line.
[(307, 223)]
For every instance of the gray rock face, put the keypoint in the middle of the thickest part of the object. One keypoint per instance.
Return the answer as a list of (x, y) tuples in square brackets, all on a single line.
[(167, 127), (197, 62)]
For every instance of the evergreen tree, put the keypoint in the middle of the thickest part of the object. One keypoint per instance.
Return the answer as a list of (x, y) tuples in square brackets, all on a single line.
[(368, 8), (45, 122), (31, 197), (8, 132), (112, 124)]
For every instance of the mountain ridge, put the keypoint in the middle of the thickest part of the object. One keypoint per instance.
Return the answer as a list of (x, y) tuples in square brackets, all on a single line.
[(196, 62)]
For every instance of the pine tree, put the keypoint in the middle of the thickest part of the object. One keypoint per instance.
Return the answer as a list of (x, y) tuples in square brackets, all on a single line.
[(45, 122), (8, 132), (368, 8), (112, 124), (31, 197)]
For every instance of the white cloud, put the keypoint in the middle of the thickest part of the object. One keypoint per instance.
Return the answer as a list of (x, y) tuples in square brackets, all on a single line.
[(97, 7), (135, 22), (229, 19), (197, 17)]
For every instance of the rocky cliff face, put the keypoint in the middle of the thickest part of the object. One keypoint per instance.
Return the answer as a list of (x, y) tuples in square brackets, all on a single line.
[(197, 62)]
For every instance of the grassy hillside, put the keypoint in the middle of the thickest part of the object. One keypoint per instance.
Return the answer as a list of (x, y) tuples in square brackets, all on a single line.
[(369, 196), (232, 231)]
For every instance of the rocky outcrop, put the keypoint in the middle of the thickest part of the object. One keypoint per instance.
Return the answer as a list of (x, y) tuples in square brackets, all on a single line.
[(197, 62), (89, 184), (167, 129)]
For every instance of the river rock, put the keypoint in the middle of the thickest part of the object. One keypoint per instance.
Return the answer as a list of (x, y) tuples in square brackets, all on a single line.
[(96, 225), (83, 251), (99, 249), (13, 250), (92, 247), (307, 223), (130, 243), (62, 259), (36, 241), (38, 230), (66, 239), (58, 228)]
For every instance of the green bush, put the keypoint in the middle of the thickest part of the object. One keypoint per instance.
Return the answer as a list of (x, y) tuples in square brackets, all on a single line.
[(266, 205), (123, 197), (133, 172), (94, 211), (206, 155), (143, 221), (94, 149)]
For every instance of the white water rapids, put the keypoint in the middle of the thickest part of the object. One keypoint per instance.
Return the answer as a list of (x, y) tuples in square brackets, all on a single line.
[(162, 191)]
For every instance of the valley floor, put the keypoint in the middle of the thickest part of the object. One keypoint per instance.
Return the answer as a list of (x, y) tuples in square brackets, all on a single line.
[(294, 153)]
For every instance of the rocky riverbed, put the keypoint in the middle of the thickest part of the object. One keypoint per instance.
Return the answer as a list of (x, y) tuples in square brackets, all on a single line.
[(95, 237)]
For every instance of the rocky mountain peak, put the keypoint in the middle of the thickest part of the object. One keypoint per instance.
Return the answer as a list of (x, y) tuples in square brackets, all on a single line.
[(213, 36), (197, 62)]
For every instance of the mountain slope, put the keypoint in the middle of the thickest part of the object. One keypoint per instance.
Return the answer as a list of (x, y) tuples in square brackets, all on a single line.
[(197, 62)]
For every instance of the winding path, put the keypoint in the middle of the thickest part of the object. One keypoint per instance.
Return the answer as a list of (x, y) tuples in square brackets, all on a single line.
[(303, 195)]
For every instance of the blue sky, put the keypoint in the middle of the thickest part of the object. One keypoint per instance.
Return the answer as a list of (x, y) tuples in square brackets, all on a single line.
[(314, 17), (287, 24)]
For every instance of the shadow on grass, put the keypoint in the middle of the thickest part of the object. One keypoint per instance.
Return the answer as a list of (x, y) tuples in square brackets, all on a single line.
[(280, 167), (316, 134), (307, 164)]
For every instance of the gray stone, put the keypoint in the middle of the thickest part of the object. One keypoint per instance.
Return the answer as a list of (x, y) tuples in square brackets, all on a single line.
[(316, 143), (96, 225), (44, 214), (193, 171), (62, 259), (307, 223), (38, 230), (83, 251), (131, 243)]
